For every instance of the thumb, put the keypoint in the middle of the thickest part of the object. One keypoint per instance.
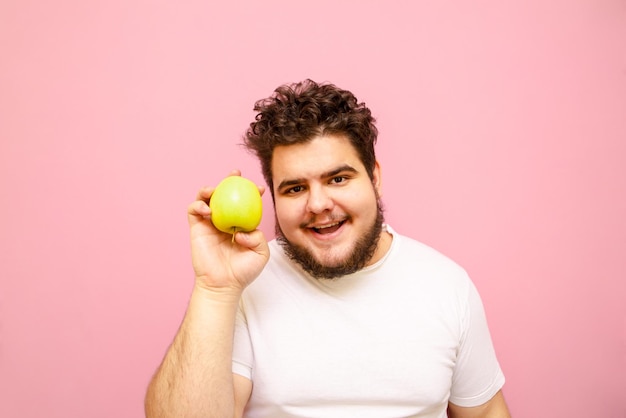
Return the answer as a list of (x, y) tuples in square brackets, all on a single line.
[(254, 241)]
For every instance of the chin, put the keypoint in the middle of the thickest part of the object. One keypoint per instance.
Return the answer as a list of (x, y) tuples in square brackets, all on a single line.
[(328, 262)]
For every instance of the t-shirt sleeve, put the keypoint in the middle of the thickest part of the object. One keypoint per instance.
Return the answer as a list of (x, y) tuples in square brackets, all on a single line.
[(477, 376), (243, 357)]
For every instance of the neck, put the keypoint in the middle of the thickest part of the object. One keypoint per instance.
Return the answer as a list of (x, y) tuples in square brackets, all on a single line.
[(384, 243)]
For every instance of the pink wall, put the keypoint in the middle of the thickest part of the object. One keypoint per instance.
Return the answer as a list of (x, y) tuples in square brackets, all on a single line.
[(503, 139)]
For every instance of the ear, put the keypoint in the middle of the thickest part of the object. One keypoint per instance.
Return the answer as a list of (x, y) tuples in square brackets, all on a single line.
[(377, 180)]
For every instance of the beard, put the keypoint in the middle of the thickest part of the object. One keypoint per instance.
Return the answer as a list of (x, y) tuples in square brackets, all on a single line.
[(361, 254)]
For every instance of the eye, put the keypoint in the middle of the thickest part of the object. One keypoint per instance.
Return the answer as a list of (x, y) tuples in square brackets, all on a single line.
[(338, 179), (294, 190)]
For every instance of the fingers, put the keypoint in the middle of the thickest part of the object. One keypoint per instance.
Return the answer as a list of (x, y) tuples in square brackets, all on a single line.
[(198, 211), (254, 240), (199, 208), (205, 193)]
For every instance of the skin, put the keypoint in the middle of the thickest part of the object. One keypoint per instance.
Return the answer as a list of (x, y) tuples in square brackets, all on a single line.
[(494, 408), (325, 201), (195, 377), (317, 184)]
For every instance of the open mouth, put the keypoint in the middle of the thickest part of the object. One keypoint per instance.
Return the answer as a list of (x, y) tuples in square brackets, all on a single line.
[(328, 229)]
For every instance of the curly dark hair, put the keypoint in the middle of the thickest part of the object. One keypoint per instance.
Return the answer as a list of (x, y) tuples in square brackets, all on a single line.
[(298, 112)]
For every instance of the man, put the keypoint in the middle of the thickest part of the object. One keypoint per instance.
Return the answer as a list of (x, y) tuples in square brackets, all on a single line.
[(340, 316)]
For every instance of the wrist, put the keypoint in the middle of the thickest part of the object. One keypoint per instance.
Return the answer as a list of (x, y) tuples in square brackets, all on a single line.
[(219, 294)]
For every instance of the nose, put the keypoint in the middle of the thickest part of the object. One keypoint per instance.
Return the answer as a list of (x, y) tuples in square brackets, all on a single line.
[(319, 200)]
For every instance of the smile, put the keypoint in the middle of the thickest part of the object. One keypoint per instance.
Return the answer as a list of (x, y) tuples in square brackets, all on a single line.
[(327, 229)]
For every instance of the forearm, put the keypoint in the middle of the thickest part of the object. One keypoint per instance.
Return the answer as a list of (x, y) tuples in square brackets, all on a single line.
[(195, 377)]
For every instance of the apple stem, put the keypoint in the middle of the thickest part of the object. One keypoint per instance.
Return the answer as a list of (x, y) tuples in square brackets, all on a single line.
[(234, 232)]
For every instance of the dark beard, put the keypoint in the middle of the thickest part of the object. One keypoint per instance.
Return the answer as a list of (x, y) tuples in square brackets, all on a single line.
[(361, 254)]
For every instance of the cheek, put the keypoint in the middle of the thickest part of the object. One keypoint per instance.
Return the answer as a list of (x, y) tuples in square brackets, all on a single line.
[(360, 201), (287, 213)]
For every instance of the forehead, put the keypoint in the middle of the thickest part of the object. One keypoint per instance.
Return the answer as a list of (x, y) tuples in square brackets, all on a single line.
[(308, 160)]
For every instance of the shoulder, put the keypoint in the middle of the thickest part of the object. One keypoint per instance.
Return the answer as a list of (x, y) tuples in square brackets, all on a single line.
[(414, 254)]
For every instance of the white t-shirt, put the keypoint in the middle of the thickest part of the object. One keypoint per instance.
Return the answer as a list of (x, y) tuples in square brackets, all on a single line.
[(399, 338)]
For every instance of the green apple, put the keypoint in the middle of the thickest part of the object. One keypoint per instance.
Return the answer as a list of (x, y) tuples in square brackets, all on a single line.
[(236, 205)]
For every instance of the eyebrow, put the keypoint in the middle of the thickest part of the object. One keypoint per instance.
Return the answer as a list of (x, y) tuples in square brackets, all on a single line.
[(332, 173)]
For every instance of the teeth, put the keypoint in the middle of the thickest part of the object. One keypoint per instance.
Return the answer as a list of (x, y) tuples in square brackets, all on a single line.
[(326, 226)]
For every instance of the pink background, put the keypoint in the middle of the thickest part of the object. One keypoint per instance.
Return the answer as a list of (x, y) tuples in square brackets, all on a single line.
[(502, 142)]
